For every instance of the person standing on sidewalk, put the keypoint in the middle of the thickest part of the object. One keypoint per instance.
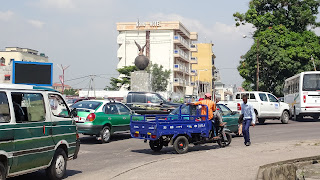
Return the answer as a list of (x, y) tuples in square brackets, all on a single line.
[(249, 117)]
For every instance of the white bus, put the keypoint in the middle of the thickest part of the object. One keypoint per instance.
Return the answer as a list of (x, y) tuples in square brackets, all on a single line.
[(302, 93)]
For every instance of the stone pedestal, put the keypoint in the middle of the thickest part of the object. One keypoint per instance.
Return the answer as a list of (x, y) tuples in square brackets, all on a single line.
[(141, 81)]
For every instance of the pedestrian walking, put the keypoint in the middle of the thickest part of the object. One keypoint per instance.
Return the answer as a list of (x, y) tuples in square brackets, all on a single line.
[(249, 118)]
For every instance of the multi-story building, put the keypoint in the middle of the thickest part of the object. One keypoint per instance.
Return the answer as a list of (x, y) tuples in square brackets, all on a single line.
[(204, 80), (171, 44), (58, 87), (17, 54)]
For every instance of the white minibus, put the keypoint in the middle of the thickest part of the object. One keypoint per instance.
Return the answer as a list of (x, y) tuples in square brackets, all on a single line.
[(302, 93)]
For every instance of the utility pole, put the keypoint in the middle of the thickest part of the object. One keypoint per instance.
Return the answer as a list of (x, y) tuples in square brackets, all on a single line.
[(257, 64), (62, 77), (92, 85), (314, 65)]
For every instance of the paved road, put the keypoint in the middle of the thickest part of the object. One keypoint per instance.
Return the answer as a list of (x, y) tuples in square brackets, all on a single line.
[(123, 153)]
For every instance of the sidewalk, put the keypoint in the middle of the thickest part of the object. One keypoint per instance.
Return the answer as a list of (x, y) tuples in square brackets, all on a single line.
[(234, 162)]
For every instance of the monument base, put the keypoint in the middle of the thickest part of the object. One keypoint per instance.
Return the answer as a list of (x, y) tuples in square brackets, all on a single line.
[(141, 81)]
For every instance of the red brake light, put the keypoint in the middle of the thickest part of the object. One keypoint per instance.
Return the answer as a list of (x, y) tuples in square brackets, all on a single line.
[(153, 136), (91, 117), (239, 106), (304, 98), (77, 136)]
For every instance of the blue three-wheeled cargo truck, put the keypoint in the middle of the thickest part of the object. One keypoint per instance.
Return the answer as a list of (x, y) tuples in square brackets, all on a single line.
[(177, 130)]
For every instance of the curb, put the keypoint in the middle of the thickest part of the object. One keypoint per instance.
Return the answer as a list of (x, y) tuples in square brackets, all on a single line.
[(284, 169)]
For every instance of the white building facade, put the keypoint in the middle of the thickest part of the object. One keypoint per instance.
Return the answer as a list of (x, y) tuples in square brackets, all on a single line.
[(171, 45), (11, 54)]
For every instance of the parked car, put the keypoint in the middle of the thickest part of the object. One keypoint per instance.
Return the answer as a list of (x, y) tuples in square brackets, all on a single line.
[(102, 118), (70, 102), (230, 117), (149, 103), (266, 106), (34, 134)]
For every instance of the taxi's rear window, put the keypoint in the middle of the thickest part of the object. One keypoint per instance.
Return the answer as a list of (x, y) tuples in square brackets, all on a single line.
[(87, 105), (4, 108)]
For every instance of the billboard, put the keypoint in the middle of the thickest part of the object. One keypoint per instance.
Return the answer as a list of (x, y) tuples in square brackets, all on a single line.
[(32, 73)]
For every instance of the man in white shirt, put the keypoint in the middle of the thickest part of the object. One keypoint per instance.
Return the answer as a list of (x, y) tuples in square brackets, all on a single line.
[(249, 117)]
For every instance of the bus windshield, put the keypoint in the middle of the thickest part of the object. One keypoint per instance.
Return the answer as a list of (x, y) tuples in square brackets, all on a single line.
[(311, 82)]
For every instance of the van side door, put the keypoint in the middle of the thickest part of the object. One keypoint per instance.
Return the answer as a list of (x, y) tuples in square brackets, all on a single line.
[(63, 126), (6, 127), (34, 146)]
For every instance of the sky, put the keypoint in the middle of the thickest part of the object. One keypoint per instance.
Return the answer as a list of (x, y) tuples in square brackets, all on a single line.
[(82, 34)]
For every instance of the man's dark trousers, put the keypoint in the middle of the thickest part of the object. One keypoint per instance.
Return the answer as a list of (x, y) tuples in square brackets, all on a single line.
[(245, 130)]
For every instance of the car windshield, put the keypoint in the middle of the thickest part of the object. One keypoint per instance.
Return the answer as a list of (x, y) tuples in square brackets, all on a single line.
[(184, 110), (311, 82), (87, 104)]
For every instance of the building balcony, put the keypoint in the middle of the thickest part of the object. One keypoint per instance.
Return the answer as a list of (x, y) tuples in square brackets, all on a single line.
[(181, 42), (178, 53), (194, 36), (193, 48), (178, 82), (193, 72), (178, 68), (194, 60)]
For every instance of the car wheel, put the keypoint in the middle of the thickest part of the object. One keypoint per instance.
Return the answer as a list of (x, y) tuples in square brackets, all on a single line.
[(285, 117), (2, 172), (261, 121), (181, 145), (105, 134), (156, 145), (58, 166)]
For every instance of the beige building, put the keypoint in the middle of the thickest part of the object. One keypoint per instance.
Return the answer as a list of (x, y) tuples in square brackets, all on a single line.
[(205, 68), (58, 87), (17, 54), (171, 44)]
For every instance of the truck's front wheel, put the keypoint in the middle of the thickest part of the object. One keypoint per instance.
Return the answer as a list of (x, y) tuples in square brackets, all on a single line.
[(156, 145), (285, 117)]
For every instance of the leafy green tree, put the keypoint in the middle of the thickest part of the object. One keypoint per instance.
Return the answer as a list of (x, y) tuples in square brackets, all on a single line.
[(125, 80), (285, 43), (282, 54), (71, 92), (160, 78), (295, 15)]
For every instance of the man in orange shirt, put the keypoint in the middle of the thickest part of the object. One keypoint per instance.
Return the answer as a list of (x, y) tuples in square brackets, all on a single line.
[(211, 106), (211, 109)]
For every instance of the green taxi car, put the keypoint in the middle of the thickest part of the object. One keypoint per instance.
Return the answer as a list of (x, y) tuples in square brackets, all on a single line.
[(102, 118), (34, 134)]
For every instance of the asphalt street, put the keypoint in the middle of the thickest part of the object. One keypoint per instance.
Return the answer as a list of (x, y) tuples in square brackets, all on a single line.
[(124, 154)]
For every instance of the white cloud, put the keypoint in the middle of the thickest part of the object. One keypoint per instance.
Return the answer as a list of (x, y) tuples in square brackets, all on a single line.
[(6, 16), (36, 23), (59, 4)]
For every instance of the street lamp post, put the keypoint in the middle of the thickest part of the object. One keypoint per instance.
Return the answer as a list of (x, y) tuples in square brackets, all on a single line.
[(257, 75), (199, 80)]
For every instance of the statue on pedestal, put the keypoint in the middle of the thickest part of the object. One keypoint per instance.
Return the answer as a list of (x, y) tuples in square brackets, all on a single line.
[(141, 60)]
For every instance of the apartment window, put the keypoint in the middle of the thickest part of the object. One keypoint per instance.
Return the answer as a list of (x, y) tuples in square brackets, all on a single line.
[(2, 60)]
